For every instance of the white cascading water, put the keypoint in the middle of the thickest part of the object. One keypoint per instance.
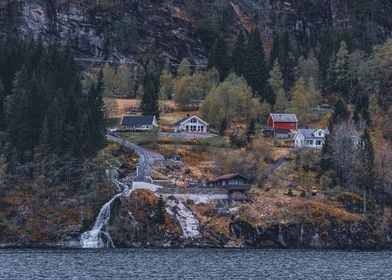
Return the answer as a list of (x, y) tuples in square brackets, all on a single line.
[(188, 222), (98, 236)]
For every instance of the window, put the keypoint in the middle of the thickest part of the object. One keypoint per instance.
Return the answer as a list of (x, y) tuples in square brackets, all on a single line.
[(318, 143), (309, 142), (193, 120)]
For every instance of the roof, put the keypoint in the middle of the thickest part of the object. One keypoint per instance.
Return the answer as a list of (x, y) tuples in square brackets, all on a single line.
[(284, 117), (310, 133), (137, 120), (184, 119), (228, 176)]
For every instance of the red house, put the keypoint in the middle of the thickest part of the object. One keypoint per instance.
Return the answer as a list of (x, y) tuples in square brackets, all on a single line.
[(283, 121)]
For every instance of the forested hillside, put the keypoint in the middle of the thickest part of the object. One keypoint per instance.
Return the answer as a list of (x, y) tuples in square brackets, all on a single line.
[(51, 130), (66, 66)]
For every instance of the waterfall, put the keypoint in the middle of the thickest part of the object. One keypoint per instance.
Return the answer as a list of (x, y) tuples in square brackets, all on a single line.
[(98, 236), (188, 222)]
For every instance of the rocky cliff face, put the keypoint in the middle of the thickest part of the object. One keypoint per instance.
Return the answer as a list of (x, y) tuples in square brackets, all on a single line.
[(324, 232), (118, 32), (142, 29)]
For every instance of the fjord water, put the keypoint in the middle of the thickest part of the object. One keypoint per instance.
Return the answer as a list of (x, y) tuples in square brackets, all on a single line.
[(194, 264)]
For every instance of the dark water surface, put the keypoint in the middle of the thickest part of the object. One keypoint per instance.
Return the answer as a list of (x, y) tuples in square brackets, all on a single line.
[(194, 264)]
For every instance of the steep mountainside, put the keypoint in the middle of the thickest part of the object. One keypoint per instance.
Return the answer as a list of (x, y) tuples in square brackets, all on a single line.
[(182, 28)]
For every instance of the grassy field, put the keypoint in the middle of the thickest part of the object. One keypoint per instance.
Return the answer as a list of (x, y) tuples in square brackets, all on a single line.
[(216, 141), (140, 138), (145, 138)]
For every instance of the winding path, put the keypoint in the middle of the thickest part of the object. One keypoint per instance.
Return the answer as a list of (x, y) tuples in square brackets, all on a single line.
[(147, 158), (271, 171)]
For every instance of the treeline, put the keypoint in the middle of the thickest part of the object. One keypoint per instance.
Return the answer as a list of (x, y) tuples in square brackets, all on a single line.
[(44, 109)]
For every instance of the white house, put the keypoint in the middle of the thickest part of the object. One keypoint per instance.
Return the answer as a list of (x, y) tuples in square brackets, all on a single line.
[(310, 138), (139, 123), (192, 124)]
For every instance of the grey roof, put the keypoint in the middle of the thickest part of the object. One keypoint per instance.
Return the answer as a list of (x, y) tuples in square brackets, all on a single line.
[(309, 133), (137, 120), (284, 117), (179, 122)]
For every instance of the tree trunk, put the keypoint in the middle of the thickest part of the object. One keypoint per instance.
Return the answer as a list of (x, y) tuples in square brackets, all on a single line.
[(364, 200)]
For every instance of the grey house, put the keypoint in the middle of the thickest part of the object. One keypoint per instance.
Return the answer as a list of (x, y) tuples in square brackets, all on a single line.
[(139, 123)]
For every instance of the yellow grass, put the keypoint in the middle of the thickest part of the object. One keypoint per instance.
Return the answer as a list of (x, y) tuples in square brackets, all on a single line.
[(273, 207)]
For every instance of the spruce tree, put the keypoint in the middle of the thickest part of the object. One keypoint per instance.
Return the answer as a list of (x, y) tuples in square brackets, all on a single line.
[(340, 114), (255, 69), (238, 55), (219, 58), (275, 51), (251, 129), (287, 62), (149, 103), (18, 119), (324, 56), (366, 172), (341, 71), (151, 84), (96, 118)]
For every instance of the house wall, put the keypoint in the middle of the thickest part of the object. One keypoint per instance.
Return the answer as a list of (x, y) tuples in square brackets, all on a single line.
[(312, 143), (290, 125), (282, 125), (140, 127)]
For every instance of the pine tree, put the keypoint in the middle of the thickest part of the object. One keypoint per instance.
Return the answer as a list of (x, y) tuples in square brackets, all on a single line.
[(149, 104), (287, 62), (340, 114), (366, 173), (255, 69), (18, 117), (238, 55), (275, 51), (362, 109), (324, 56), (341, 71), (96, 117), (223, 126), (251, 129), (219, 58)]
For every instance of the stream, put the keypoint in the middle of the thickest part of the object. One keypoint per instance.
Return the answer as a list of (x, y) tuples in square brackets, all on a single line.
[(99, 236)]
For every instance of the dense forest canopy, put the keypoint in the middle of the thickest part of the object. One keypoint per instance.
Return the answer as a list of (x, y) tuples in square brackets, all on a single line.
[(44, 110)]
